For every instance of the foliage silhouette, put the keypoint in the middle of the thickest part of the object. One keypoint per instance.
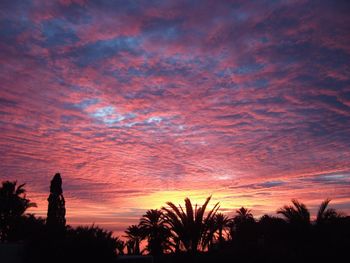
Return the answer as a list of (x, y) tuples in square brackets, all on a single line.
[(221, 222), (89, 244), (243, 215), (296, 214), (326, 214), (13, 204), (155, 230), (292, 238), (244, 231), (120, 246), (56, 210), (135, 236), (189, 227)]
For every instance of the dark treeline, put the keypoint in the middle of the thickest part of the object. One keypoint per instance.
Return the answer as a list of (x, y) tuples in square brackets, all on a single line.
[(174, 233)]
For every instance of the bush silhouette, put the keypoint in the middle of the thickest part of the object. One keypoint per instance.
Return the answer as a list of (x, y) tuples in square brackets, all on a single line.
[(13, 204), (89, 244)]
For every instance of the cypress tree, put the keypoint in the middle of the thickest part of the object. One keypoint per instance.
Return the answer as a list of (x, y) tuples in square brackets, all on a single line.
[(56, 211)]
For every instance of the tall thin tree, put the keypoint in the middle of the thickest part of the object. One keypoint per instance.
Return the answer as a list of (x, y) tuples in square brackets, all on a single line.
[(56, 211)]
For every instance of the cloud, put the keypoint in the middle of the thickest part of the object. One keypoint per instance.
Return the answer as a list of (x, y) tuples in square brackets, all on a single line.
[(243, 100)]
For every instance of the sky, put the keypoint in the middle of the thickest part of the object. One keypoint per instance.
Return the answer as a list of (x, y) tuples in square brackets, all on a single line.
[(137, 103)]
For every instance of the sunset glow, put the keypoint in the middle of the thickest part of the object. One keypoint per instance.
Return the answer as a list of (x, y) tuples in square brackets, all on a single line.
[(137, 103)]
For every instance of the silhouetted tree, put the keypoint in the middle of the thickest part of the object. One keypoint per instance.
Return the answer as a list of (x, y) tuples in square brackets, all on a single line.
[(271, 239), (221, 222), (56, 210), (296, 214), (32, 230), (120, 246), (29, 227), (13, 204), (89, 244), (273, 230), (190, 228), (244, 229), (243, 215), (156, 231), (326, 214), (135, 236), (299, 230)]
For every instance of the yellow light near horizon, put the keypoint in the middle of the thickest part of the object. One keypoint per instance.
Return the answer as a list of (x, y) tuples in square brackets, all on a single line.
[(157, 200)]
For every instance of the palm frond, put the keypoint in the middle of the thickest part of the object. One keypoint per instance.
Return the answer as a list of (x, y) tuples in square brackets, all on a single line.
[(189, 210), (177, 211), (322, 209)]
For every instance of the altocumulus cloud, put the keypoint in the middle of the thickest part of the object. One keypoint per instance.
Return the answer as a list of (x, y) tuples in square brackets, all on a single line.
[(142, 96)]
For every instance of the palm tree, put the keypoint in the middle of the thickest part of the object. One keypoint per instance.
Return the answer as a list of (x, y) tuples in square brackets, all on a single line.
[(243, 215), (120, 244), (325, 214), (242, 226), (13, 204), (155, 230), (221, 223), (296, 214), (189, 227), (135, 236)]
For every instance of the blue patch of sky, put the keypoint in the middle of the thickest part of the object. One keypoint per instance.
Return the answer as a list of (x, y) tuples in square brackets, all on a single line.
[(165, 29), (110, 116), (332, 178), (311, 52), (163, 68), (123, 7), (102, 49), (154, 119), (57, 32), (11, 29), (249, 68), (332, 101), (87, 90), (70, 118), (264, 40), (147, 92), (241, 70), (82, 105), (258, 83), (76, 14), (271, 100), (270, 184), (104, 112), (87, 103), (240, 15), (6, 102)]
